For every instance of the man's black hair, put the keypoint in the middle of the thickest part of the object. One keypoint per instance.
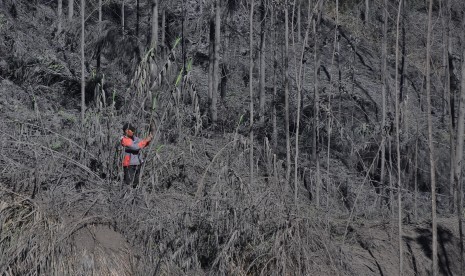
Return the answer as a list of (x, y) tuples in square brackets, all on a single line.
[(129, 126)]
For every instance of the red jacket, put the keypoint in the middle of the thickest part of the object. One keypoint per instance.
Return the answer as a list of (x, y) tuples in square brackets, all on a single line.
[(132, 147)]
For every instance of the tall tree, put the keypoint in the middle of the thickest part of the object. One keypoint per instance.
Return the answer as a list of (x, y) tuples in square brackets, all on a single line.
[(83, 80), (448, 95), (459, 147), (316, 107), (383, 91), (262, 63), (275, 85), (286, 90), (367, 11), (60, 11), (251, 89), (99, 49), (434, 267), (299, 96), (137, 18), (399, 184), (154, 42), (216, 54), (122, 16), (70, 9)]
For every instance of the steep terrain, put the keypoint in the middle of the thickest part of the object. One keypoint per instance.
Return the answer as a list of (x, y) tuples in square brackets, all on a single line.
[(65, 211)]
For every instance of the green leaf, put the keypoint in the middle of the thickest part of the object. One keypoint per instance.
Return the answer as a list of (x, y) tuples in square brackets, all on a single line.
[(189, 65), (178, 79), (176, 42)]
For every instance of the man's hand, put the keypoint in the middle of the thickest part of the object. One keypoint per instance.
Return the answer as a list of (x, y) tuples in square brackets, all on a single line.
[(149, 138)]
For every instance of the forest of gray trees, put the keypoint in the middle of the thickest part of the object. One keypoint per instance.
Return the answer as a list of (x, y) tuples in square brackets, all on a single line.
[(291, 137)]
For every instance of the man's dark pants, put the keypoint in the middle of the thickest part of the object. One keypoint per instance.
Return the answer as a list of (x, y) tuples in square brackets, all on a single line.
[(131, 175)]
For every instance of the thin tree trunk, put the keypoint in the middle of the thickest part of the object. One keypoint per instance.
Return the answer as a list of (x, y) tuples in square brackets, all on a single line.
[(210, 63), (275, 88), (447, 96), (216, 62), (459, 149), (434, 266), (262, 64), (70, 10), (383, 92), (367, 11), (399, 183), (251, 89), (83, 80), (330, 191), (154, 42), (316, 103), (137, 18), (60, 12), (163, 31), (122, 17), (99, 50), (286, 91), (299, 96), (298, 20), (415, 196)]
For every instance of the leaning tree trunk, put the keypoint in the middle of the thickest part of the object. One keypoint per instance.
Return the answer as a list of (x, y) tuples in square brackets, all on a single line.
[(434, 266)]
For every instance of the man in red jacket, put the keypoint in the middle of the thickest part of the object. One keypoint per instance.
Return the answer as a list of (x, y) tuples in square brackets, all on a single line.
[(132, 158)]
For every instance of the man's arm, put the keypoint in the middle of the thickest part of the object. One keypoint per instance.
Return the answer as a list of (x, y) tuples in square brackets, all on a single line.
[(129, 143)]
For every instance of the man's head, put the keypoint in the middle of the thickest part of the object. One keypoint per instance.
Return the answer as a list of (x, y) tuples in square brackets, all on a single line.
[(129, 129)]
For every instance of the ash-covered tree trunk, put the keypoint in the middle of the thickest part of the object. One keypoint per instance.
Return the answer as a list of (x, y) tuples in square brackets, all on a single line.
[(122, 17), (59, 14), (70, 9), (298, 19), (154, 42), (286, 91), (383, 92), (316, 107), (99, 50), (83, 80), (163, 29), (251, 89), (275, 85), (367, 11), (447, 96), (137, 18), (216, 58), (399, 183), (434, 266), (262, 64), (459, 148), (299, 96), (210, 62)]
